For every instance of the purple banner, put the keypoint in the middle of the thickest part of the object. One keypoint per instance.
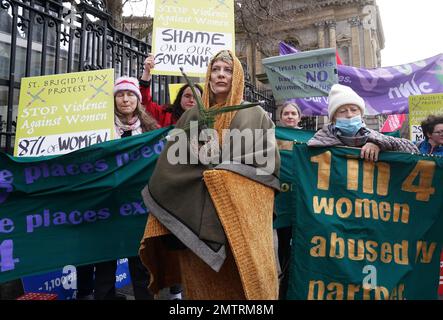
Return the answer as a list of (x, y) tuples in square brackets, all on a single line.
[(385, 90)]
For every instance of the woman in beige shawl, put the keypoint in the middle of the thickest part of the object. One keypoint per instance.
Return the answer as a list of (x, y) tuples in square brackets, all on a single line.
[(210, 226)]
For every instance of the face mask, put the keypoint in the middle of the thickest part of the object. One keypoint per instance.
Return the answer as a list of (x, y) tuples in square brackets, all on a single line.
[(349, 127)]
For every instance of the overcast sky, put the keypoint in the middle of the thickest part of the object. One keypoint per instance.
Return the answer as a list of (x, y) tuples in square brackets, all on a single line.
[(412, 28)]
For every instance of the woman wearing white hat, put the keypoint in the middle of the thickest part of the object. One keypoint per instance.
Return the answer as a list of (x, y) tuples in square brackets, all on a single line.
[(347, 128)]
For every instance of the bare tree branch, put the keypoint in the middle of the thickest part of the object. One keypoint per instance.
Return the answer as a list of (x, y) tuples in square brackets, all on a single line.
[(257, 19)]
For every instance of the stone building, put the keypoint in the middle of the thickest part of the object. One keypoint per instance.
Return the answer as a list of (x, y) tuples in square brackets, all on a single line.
[(352, 26)]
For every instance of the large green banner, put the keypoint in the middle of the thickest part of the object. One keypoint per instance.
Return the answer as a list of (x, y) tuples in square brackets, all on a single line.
[(75, 209), (284, 206), (364, 230)]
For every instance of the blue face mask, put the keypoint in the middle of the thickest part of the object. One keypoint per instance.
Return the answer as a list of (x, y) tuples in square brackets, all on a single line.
[(349, 127)]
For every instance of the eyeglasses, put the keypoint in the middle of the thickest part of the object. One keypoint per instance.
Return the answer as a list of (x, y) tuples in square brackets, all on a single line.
[(440, 133)]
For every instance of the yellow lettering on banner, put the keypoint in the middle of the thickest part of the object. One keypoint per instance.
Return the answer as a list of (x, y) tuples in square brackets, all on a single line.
[(334, 243), (401, 290), (384, 210), (381, 293), (371, 254), (324, 169), (352, 290), (382, 178), (360, 255), (401, 210), (425, 169), (361, 208), (386, 252), (425, 251), (326, 205), (398, 291), (335, 291), (394, 294), (368, 177), (360, 249), (319, 290), (366, 294), (339, 206), (316, 287), (352, 176), (320, 249), (367, 210), (401, 253)]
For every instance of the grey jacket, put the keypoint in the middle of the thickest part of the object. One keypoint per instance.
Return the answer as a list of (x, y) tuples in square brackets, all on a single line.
[(326, 137)]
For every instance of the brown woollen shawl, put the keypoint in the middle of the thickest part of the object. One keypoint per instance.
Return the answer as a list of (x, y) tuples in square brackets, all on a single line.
[(222, 215)]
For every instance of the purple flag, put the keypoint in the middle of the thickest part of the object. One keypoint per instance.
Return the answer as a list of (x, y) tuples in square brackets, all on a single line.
[(286, 48), (385, 90)]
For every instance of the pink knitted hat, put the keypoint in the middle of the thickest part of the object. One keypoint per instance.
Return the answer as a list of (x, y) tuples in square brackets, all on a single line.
[(128, 83)]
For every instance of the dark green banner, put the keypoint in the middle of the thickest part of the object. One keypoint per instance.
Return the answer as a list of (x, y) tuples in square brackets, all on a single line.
[(284, 206), (75, 209), (363, 230)]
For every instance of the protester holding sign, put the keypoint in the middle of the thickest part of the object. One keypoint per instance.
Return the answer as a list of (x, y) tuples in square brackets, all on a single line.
[(130, 119), (165, 115), (220, 217), (432, 128), (347, 128)]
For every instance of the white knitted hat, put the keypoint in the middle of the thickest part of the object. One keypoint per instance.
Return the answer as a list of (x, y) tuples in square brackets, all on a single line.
[(341, 95), (128, 83)]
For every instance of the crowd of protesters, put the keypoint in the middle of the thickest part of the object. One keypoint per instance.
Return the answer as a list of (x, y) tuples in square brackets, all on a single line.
[(194, 243)]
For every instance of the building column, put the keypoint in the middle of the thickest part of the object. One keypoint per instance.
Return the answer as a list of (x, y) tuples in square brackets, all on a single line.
[(355, 41), (320, 33), (369, 50), (332, 33)]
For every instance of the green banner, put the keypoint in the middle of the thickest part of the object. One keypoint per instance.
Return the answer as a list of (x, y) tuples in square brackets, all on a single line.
[(75, 209), (284, 205), (365, 230)]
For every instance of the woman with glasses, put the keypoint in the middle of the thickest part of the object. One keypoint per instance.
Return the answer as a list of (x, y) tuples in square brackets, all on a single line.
[(433, 130)]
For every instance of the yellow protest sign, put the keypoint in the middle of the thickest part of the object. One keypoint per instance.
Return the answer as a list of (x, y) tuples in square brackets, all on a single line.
[(187, 33), (420, 107), (58, 114), (174, 88)]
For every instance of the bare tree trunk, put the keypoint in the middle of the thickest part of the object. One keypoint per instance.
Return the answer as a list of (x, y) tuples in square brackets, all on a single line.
[(115, 8)]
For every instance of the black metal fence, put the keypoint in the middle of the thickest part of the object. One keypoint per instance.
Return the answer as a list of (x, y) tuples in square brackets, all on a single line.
[(42, 37), (256, 93)]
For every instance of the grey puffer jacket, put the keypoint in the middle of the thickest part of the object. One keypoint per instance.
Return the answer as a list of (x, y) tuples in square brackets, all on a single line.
[(327, 138)]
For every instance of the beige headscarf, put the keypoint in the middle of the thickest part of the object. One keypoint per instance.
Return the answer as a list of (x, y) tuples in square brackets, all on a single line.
[(235, 97)]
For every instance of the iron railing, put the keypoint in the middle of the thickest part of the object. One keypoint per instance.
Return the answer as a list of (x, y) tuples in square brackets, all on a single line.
[(42, 37)]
